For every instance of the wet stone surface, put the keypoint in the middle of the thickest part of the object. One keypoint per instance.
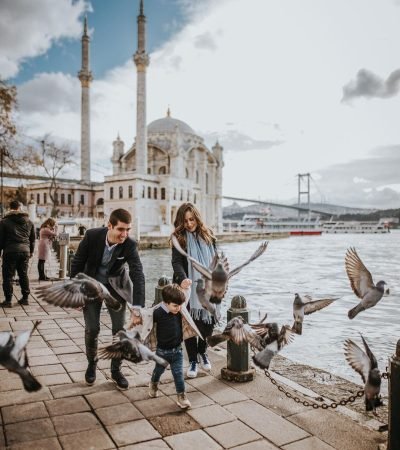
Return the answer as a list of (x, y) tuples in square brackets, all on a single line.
[(174, 423)]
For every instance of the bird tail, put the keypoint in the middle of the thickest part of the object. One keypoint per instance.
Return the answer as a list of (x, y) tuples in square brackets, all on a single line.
[(31, 384), (215, 339), (297, 327), (159, 360), (263, 359), (354, 311), (113, 303)]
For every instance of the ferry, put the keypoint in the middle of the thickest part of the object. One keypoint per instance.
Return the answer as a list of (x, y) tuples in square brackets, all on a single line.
[(355, 226)]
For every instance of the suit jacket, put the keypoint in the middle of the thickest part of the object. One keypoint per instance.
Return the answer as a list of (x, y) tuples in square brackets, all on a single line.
[(129, 286)]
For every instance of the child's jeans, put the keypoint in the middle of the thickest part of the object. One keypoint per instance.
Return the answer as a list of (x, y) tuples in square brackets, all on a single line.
[(175, 358)]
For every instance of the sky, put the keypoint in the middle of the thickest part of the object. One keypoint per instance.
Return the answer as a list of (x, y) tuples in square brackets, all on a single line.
[(286, 86)]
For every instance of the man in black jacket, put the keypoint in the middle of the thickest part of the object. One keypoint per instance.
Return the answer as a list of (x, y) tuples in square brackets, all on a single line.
[(17, 242), (105, 254)]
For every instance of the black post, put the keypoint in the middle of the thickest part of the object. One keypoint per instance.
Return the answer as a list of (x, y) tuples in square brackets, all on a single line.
[(163, 281), (394, 401), (1, 177)]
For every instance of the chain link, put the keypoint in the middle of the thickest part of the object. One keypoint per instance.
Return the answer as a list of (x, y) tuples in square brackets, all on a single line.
[(385, 375), (323, 405)]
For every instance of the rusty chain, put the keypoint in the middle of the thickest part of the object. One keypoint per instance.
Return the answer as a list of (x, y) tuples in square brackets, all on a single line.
[(323, 405), (385, 375)]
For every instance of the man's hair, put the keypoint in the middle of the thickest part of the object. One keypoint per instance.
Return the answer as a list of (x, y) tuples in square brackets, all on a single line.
[(15, 204), (120, 215), (172, 293)]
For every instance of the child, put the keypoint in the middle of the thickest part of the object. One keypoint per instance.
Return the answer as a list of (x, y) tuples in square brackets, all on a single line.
[(168, 324)]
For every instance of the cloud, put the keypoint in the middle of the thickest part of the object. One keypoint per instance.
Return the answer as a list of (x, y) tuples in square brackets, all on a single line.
[(205, 41), (369, 85), (233, 140), (29, 28)]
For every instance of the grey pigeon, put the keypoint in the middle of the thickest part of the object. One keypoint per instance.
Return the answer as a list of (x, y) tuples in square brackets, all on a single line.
[(271, 343), (128, 346), (14, 358), (366, 365), (204, 299), (362, 284), (77, 292), (302, 308), (218, 274), (236, 331)]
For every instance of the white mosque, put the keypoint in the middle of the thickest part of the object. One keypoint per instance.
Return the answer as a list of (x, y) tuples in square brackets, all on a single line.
[(166, 165)]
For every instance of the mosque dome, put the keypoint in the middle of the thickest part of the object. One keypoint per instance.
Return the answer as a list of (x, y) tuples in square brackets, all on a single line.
[(168, 125)]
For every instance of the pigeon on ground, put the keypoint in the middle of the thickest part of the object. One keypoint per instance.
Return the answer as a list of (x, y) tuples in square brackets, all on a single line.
[(302, 308), (14, 358), (271, 343), (366, 365), (362, 284), (236, 331), (218, 274), (128, 346), (77, 292)]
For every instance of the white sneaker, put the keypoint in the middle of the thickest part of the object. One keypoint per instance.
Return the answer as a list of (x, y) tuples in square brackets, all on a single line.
[(205, 362), (183, 401), (192, 370)]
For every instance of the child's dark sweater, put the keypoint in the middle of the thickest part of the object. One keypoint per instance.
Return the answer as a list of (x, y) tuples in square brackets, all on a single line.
[(168, 329)]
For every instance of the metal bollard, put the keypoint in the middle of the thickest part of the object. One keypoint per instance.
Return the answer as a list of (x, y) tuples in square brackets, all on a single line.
[(238, 367), (71, 255), (394, 401), (163, 281)]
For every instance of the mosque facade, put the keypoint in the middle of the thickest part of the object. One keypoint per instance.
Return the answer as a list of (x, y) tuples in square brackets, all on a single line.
[(167, 164)]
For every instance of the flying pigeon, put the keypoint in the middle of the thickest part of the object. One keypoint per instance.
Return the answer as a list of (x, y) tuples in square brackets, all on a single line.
[(301, 308), (218, 274), (14, 358), (366, 365), (205, 300), (271, 342), (77, 292), (362, 284), (236, 331), (128, 346)]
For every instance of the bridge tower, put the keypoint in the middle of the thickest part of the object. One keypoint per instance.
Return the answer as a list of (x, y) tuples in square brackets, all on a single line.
[(303, 190)]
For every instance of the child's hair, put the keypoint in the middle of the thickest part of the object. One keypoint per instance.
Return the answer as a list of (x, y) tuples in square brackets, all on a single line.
[(172, 293)]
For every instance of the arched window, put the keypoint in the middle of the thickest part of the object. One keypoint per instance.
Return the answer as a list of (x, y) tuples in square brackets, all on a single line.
[(197, 177), (187, 173), (174, 193), (194, 199), (37, 198), (155, 193), (62, 199), (130, 191), (121, 192), (162, 193), (206, 183), (162, 170), (188, 196), (149, 170), (148, 192), (111, 193), (143, 192)]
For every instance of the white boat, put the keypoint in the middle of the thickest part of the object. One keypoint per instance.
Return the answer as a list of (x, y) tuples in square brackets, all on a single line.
[(355, 226)]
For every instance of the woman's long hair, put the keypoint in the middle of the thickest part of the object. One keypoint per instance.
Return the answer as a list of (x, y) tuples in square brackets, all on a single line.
[(51, 223), (202, 230)]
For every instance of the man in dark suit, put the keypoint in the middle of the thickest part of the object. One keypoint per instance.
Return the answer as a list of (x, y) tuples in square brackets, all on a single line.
[(105, 254)]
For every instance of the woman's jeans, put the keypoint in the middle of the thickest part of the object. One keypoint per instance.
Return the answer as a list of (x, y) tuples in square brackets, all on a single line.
[(195, 345), (175, 358)]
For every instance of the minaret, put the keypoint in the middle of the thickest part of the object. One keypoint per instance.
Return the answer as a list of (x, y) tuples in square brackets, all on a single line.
[(85, 77), (141, 59)]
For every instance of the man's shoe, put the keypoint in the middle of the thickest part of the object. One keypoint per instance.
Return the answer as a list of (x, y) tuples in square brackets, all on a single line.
[(119, 380), (6, 304), (205, 362), (23, 301), (153, 389), (90, 374), (183, 401), (192, 370)]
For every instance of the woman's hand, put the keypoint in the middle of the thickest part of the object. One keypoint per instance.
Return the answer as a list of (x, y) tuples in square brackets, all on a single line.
[(186, 283)]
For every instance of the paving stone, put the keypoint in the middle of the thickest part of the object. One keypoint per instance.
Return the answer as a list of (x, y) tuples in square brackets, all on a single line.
[(29, 431), (70, 390), (40, 444), (52, 380), (149, 445), (43, 360), (79, 377), (232, 433), (87, 440), (273, 427), (193, 440), (125, 412), (174, 423), (72, 357), (75, 423), (198, 399), (60, 343), (47, 324), (218, 391), (102, 399), (257, 445), (39, 351), (67, 405), (76, 366), (169, 388), (310, 443), (69, 349), (132, 432), (211, 415), (11, 383), (20, 396), (20, 413), (137, 393), (156, 406), (47, 370)]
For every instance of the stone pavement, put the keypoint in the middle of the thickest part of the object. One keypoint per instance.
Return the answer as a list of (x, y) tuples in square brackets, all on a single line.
[(67, 414)]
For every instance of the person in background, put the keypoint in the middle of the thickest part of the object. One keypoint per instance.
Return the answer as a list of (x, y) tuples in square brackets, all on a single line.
[(48, 232), (81, 230), (199, 242), (103, 254), (17, 243)]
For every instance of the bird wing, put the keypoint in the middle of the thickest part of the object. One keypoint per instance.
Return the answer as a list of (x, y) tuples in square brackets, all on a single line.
[(4, 338), (315, 305), (357, 358), (371, 356), (286, 336), (360, 277), (199, 267), (261, 249), (204, 298), (117, 350), (241, 332), (68, 294), (21, 341)]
